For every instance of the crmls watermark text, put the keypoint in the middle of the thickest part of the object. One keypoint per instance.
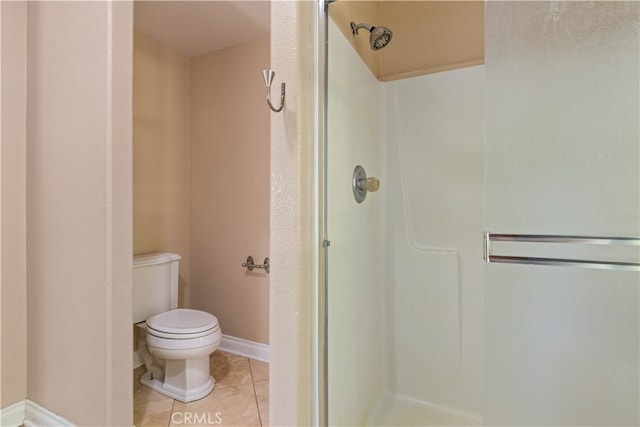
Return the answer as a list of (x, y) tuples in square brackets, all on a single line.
[(196, 418)]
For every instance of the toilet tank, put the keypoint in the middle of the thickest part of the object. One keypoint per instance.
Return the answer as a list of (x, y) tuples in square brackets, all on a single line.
[(155, 284)]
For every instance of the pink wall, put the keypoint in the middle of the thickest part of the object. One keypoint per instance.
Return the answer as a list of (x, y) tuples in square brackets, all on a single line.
[(13, 274), (201, 175), (230, 187), (161, 177), (79, 210)]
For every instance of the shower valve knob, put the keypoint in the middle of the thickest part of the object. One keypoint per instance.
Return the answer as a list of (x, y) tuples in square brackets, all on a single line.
[(362, 185), (372, 184)]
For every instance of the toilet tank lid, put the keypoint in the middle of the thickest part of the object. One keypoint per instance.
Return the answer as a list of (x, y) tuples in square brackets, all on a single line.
[(154, 258)]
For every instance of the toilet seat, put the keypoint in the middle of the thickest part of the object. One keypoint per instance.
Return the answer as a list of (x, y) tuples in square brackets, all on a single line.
[(182, 324)]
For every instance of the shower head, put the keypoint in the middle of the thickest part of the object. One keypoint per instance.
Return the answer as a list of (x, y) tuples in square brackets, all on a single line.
[(379, 38)]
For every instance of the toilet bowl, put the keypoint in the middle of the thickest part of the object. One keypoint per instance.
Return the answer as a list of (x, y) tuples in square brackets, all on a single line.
[(176, 343), (181, 341)]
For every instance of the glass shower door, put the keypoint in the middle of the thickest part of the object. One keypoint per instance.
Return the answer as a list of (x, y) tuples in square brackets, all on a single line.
[(354, 273), (562, 159)]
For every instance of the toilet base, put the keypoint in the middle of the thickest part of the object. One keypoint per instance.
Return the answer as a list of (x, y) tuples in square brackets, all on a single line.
[(178, 393)]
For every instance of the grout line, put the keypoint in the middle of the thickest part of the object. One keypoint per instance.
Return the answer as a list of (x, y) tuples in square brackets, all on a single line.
[(255, 394), (173, 403)]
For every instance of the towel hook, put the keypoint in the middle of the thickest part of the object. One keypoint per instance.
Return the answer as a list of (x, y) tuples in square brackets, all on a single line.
[(268, 76)]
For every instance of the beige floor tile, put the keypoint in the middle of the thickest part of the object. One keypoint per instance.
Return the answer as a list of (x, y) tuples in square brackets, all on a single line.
[(142, 394), (262, 396), (240, 397), (259, 370), (155, 413), (230, 370), (225, 406)]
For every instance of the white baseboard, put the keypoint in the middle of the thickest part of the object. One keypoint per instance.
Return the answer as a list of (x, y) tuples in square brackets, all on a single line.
[(13, 416), (30, 414), (246, 348), (239, 346), (37, 416)]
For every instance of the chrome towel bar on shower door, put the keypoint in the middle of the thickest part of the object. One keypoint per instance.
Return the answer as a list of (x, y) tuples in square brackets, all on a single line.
[(490, 238)]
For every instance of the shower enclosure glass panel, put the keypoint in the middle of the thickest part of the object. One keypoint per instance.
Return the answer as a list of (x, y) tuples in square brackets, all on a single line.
[(563, 158), (355, 272)]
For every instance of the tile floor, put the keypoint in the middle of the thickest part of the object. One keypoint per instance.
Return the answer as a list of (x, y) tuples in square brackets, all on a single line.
[(240, 398)]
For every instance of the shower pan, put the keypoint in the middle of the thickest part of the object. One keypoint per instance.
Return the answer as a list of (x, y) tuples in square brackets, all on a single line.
[(476, 286)]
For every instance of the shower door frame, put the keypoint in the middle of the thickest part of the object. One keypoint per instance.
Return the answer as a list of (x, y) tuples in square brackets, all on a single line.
[(320, 239), (321, 243)]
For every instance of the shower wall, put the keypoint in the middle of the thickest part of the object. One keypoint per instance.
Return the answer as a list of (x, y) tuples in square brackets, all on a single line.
[(405, 267), (433, 219)]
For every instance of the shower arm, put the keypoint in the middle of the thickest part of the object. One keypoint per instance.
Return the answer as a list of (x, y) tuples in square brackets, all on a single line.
[(355, 28)]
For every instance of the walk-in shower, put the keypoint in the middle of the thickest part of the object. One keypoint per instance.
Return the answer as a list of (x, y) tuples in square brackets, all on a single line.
[(415, 327)]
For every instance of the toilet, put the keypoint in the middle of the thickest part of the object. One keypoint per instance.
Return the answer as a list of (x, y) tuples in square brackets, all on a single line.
[(176, 342)]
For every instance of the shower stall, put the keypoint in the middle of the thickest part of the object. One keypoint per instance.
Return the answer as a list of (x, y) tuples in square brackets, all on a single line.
[(537, 138)]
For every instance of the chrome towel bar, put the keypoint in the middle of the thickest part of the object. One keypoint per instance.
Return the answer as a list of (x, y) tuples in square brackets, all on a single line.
[(549, 238), (489, 257)]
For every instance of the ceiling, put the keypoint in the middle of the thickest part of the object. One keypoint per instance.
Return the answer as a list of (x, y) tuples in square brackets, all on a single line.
[(428, 36), (197, 27)]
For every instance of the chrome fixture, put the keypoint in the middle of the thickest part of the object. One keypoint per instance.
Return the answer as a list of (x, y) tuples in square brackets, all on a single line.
[(361, 184), (268, 76), (379, 38), (611, 241), (249, 265)]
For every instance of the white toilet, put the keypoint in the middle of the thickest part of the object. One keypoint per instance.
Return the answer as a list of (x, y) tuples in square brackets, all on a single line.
[(177, 342)]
